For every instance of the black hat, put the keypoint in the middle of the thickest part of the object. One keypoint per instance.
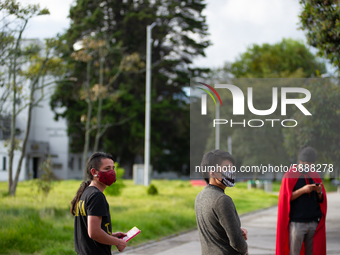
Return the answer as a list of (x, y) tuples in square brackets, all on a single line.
[(307, 154)]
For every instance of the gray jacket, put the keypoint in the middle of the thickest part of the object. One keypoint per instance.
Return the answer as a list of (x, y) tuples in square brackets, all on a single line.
[(218, 223)]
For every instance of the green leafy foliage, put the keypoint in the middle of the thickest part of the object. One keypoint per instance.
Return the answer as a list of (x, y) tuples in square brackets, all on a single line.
[(22, 12), (116, 188), (286, 59), (321, 21), (47, 179), (21, 64), (321, 130), (123, 26), (152, 190)]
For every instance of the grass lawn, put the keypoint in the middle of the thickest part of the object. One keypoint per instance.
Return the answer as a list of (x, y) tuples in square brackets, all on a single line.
[(30, 224), (329, 187)]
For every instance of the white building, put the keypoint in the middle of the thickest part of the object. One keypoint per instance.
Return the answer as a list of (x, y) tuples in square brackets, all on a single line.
[(47, 138)]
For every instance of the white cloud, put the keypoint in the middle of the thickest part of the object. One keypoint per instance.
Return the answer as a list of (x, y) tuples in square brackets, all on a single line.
[(234, 25), (49, 25), (255, 12)]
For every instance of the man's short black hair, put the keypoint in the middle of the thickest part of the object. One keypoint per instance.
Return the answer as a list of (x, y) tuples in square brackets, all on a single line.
[(307, 154), (213, 158)]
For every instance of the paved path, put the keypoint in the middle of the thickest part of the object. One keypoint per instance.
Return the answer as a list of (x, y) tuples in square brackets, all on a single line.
[(261, 228)]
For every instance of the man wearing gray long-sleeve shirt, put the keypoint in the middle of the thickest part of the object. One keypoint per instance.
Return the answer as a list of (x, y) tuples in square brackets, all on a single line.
[(218, 223)]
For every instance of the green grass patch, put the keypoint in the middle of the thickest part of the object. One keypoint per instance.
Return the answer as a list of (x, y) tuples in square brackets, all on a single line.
[(30, 224), (329, 187)]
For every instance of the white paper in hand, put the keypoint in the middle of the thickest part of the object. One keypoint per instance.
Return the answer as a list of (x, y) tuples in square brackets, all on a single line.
[(131, 234)]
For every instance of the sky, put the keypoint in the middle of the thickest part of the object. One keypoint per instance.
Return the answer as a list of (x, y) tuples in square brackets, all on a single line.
[(234, 25)]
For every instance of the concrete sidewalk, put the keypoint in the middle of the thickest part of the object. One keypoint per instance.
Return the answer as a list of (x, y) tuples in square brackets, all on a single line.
[(261, 228)]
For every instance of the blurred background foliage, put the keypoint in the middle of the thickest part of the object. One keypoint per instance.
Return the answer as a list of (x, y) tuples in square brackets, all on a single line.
[(112, 64), (122, 25), (117, 187)]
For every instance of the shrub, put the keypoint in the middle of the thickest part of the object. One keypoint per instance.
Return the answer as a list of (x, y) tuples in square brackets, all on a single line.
[(152, 190), (116, 188), (45, 182)]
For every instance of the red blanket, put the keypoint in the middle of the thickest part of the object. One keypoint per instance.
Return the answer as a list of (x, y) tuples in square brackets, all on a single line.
[(282, 233)]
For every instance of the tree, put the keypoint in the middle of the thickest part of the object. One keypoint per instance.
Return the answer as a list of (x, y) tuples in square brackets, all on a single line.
[(321, 21), (286, 59), (122, 24), (321, 130), (15, 19), (6, 42), (99, 91), (41, 66), (25, 61)]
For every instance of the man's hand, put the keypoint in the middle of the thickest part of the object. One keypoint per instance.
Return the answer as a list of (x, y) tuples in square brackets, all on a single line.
[(308, 188), (244, 233), (319, 188), (96, 233), (121, 245), (119, 234)]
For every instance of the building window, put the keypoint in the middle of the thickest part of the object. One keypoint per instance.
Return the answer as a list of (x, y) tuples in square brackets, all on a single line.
[(4, 163), (80, 163), (5, 127), (57, 166), (71, 163)]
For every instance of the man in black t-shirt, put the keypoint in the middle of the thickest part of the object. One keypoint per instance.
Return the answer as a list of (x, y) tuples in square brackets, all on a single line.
[(92, 224), (302, 209), (305, 212), (306, 207), (92, 202)]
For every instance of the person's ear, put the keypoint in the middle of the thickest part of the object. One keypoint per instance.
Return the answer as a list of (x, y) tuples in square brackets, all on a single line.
[(94, 172), (215, 175), (212, 174)]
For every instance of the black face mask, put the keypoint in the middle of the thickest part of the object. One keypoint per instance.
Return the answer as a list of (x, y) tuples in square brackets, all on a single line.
[(228, 178)]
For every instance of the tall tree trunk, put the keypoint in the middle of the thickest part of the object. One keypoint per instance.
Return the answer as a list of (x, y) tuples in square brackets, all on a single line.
[(23, 151), (28, 124), (12, 141), (13, 122), (99, 112), (88, 119)]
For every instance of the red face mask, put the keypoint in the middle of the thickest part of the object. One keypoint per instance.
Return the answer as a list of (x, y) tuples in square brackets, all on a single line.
[(108, 177)]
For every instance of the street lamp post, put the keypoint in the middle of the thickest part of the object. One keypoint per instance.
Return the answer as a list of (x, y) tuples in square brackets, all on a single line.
[(79, 45), (217, 129), (147, 104)]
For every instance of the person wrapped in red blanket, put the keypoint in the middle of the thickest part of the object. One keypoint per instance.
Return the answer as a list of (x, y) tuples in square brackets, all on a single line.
[(302, 208)]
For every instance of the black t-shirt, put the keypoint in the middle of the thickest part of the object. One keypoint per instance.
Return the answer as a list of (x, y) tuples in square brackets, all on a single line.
[(306, 207), (92, 202)]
